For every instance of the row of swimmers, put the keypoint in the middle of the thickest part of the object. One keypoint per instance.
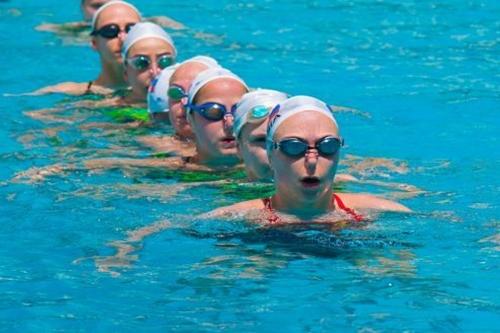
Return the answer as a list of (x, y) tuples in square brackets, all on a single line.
[(292, 141)]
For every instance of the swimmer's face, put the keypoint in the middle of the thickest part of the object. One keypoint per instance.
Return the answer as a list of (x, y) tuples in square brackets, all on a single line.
[(89, 7), (183, 77), (309, 175), (138, 77), (214, 139), (110, 49), (252, 149)]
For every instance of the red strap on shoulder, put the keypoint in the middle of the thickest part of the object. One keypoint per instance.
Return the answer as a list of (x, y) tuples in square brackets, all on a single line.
[(268, 207), (340, 203)]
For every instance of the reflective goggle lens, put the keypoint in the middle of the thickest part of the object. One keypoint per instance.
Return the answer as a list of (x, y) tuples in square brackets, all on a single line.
[(259, 111), (143, 62), (140, 63), (212, 110), (164, 61), (294, 147), (111, 31), (176, 93)]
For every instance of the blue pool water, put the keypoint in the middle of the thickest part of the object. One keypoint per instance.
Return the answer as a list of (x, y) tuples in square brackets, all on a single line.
[(425, 73)]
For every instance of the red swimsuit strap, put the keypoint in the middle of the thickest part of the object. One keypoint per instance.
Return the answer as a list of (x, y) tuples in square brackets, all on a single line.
[(273, 218), (268, 206), (350, 211)]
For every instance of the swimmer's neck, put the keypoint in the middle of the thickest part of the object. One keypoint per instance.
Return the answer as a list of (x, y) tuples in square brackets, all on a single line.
[(135, 99), (111, 76), (302, 207)]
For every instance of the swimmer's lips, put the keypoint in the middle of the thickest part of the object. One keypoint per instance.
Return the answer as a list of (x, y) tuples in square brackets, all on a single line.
[(310, 182), (228, 142)]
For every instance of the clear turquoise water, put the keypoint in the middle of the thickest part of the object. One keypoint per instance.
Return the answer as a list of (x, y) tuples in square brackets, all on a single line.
[(427, 73)]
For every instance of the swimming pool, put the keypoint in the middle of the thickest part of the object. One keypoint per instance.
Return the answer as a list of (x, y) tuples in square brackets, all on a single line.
[(424, 74)]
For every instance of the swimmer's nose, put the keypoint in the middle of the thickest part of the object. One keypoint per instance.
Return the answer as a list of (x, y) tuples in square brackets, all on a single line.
[(311, 161), (122, 35), (154, 70), (228, 123)]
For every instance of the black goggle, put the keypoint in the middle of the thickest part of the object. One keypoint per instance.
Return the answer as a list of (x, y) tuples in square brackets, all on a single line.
[(112, 30), (295, 147)]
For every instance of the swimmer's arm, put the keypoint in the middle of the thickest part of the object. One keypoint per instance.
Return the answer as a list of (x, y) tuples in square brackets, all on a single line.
[(123, 256), (166, 22), (372, 202), (68, 88), (344, 178), (54, 27), (240, 208)]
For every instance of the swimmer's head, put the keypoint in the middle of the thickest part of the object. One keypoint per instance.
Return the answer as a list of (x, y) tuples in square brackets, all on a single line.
[(250, 124), (147, 50), (212, 99), (89, 7), (292, 106), (108, 6), (303, 145), (147, 30), (110, 26), (177, 91), (158, 105)]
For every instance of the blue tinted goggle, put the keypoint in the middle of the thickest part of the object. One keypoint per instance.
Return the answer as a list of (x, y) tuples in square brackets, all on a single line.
[(294, 147)]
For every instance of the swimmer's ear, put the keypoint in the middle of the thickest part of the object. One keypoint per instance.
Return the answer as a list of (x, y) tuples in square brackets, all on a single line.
[(93, 43)]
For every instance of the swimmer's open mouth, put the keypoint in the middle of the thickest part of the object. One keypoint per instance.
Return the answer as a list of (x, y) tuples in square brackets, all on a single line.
[(229, 142), (229, 139), (310, 181)]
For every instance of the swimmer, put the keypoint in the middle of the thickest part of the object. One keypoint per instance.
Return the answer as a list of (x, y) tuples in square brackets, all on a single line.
[(250, 124), (110, 25), (212, 99), (77, 32), (147, 50), (303, 145)]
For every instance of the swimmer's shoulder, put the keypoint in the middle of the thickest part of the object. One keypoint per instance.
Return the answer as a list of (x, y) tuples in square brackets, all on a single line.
[(240, 208), (69, 88), (73, 88), (64, 27), (371, 202), (166, 22)]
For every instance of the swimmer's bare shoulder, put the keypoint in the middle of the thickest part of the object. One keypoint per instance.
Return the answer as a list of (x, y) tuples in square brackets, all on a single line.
[(166, 22), (240, 208), (53, 27), (371, 202), (71, 88)]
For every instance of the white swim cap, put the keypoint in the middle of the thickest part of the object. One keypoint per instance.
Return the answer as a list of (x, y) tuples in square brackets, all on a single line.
[(255, 106), (210, 75), (157, 91), (145, 30), (290, 107), (205, 60), (109, 4)]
